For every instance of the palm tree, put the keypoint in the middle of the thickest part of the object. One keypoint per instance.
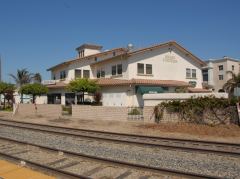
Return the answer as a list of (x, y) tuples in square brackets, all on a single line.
[(37, 78), (232, 83), (22, 77)]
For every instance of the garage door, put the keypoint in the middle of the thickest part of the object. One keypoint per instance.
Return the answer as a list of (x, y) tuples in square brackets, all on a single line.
[(114, 99)]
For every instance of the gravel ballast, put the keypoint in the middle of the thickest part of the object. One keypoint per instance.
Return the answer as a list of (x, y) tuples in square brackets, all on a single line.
[(210, 164)]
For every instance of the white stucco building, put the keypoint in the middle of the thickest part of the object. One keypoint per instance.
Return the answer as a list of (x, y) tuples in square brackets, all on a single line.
[(216, 72), (125, 74)]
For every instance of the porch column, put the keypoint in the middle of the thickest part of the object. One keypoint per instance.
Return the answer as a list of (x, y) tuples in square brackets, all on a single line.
[(63, 98)]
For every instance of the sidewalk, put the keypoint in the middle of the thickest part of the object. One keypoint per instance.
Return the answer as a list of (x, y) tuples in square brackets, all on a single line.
[(225, 133)]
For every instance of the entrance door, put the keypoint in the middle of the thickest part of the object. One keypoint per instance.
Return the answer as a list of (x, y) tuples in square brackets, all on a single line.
[(69, 98), (54, 98)]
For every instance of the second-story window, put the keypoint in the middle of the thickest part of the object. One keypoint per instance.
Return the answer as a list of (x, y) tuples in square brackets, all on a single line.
[(86, 74), (54, 77), (102, 73), (148, 69), (232, 67), (194, 73), (140, 68), (62, 75), (205, 74), (188, 73), (220, 77), (78, 73), (114, 70), (98, 73), (220, 67), (119, 69)]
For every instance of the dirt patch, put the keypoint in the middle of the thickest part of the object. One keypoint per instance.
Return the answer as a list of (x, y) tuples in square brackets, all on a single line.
[(195, 129), (60, 120), (224, 133)]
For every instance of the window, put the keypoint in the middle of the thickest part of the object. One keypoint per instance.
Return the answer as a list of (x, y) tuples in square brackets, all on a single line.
[(140, 68), (62, 75), (96, 59), (81, 53), (220, 77), (205, 75), (98, 73), (102, 72), (119, 69), (194, 73), (86, 73), (232, 67), (188, 73), (114, 53), (54, 77), (78, 73), (220, 67), (148, 69), (114, 70)]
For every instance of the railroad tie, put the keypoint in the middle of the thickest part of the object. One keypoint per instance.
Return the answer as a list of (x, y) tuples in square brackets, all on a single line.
[(144, 177), (56, 162), (93, 171), (19, 152), (124, 175), (67, 165)]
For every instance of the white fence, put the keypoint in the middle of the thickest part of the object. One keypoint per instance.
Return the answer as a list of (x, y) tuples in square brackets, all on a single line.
[(154, 99)]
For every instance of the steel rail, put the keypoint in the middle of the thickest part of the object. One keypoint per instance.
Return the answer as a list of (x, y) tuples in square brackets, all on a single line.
[(187, 148), (104, 160)]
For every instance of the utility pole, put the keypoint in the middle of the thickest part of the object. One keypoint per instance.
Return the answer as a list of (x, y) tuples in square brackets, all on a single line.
[(0, 68), (0, 76)]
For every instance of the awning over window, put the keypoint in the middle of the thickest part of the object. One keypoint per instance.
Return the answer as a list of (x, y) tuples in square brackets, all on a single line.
[(149, 89)]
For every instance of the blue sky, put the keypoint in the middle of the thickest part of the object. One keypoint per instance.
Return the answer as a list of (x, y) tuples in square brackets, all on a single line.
[(37, 34)]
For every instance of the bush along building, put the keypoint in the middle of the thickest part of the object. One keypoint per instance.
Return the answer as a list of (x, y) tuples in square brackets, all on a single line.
[(126, 74)]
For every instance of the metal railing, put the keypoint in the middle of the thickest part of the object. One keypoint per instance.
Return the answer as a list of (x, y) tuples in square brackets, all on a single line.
[(135, 113)]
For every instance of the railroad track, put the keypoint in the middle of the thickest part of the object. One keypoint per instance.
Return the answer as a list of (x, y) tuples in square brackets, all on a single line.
[(76, 165), (170, 143)]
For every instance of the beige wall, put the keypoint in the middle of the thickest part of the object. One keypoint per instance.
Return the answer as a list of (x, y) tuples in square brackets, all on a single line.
[(107, 66), (227, 66), (83, 64), (99, 112), (167, 117), (164, 68), (48, 110)]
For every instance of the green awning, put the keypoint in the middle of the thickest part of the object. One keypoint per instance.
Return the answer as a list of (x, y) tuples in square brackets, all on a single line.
[(149, 89)]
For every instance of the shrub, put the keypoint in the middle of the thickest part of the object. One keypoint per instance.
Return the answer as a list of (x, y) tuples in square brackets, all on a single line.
[(67, 109), (134, 111), (197, 110)]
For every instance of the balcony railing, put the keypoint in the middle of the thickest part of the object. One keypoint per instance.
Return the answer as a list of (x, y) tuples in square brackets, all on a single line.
[(49, 82)]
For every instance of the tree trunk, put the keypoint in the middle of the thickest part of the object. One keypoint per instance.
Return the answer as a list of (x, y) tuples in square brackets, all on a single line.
[(34, 99), (21, 101), (83, 97), (4, 101)]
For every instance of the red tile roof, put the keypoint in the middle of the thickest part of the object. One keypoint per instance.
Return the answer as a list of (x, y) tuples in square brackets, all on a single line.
[(118, 82), (57, 85), (123, 50)]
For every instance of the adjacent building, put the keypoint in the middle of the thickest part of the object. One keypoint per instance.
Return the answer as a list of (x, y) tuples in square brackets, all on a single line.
[(217, 72), (125, 74)]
